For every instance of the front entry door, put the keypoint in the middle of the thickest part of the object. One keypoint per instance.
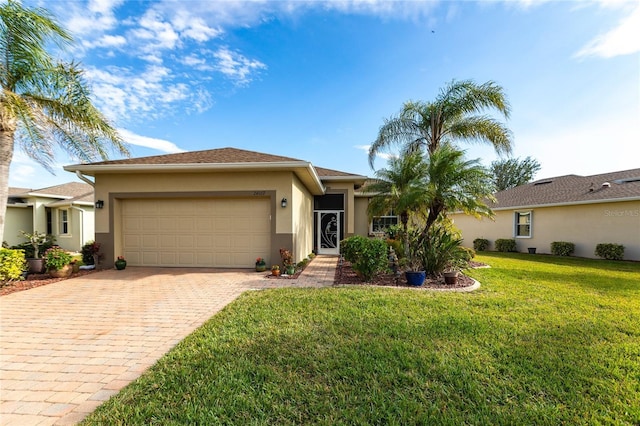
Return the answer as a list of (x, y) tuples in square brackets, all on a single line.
[(328, 232)]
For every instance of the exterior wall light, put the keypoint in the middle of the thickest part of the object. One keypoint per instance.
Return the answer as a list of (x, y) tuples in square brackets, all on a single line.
[(99, 204), (283, 203)]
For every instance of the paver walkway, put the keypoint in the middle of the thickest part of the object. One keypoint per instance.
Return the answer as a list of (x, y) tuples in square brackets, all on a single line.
[(68, 346)]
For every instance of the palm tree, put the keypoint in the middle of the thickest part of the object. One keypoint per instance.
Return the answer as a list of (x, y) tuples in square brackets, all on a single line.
[(44, 102), (455, 115), (399, 188), (453, 183)]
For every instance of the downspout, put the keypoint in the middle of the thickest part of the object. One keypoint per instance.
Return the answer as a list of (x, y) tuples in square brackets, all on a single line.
[(85, 179)]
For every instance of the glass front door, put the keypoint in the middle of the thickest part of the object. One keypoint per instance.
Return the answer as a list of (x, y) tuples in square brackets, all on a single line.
[(328, 232)]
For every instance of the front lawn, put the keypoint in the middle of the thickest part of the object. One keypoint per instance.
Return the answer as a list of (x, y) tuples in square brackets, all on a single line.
[(546, 340)]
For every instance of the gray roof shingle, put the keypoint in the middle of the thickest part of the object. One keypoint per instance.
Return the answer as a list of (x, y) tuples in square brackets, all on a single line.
[(572, 189)]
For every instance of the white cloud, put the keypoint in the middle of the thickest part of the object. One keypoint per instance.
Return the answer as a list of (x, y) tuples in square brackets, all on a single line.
[(236, 66), (383, 155), (621, 40), (147, 142)]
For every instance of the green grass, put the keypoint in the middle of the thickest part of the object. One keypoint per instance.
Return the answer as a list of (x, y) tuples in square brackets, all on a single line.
[(546, 340)]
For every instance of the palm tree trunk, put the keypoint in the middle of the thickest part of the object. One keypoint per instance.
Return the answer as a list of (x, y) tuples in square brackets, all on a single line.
[(6, 154)]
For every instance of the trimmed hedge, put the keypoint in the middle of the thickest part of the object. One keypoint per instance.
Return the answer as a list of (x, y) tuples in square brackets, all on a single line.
[(506, 244), (480, 244), (368, 256), (610, 251), (562, 248)]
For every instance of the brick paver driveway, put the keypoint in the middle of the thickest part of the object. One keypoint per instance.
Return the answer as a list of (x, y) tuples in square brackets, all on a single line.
[(68, 346)]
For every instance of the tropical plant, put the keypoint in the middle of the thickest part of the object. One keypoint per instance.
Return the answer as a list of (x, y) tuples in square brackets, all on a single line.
[(56, 258), (441, 249), (511, 172), (453, 184), (455, 115), (44, 102), (287, 258), (399, 188)]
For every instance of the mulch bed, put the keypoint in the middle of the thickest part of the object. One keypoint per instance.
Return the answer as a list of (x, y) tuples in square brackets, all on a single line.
[(347, 276), (37, 280)]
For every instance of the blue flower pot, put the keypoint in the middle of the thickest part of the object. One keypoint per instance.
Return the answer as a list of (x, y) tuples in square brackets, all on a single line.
[(415, 278)]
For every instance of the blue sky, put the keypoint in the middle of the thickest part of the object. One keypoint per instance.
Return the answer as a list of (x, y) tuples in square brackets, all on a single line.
[(315, 80)]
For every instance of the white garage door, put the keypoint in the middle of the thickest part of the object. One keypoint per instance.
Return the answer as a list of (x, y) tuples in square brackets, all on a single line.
[(229, 232)]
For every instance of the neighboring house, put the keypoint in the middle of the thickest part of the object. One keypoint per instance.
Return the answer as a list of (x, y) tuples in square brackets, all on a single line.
[(64, 211), (220, 208), (584, 210)]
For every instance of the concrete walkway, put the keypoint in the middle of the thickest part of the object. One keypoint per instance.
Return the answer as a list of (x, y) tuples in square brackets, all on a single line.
[(68, 346)]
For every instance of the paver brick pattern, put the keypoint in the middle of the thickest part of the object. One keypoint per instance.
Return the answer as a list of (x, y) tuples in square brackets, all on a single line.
[(69, 346)]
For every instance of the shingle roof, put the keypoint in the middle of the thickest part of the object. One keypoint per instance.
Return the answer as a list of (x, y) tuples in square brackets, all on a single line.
[(322, 172), (572, 189), (63, 191), (211, 156)]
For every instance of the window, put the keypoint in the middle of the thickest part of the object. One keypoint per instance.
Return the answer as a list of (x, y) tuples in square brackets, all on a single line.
[(523, 224), (381, 223), (63, 225)]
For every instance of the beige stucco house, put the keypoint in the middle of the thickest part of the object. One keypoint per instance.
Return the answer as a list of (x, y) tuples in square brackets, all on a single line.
[(219, 208), (584, 210), (64, 211)]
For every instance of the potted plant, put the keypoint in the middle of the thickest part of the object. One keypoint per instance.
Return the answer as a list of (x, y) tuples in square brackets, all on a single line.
[(415, 273), (58, 262), (457, 261), (275, 270), (287, 261), (120, 263), (261, 265), (37, 240)]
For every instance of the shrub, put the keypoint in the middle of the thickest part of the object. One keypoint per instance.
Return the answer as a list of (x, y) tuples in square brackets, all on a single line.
[(442, 250), (12, 264), (89, 250), (562, 248), (480, 244), (56, 258), (506, 244), (287, 258), (610, 251), (367, 256)]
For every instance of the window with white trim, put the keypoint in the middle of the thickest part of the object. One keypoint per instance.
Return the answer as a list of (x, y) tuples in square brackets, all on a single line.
[(523, 224), (380, 224), (63, 222)]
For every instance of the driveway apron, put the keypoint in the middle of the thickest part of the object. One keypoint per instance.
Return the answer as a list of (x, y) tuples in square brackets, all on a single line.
[(69, 346)]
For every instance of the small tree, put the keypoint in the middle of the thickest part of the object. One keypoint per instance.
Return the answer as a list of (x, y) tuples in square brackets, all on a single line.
[(512, 172)]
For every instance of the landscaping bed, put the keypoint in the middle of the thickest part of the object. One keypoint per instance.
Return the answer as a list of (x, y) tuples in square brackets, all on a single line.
[(36, 280), (347, 276)]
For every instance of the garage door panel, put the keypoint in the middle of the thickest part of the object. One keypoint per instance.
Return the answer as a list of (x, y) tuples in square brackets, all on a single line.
[(196, 232)]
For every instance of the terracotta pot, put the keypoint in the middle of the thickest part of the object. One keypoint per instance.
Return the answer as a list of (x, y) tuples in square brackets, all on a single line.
[(63, 272), (275, 272), (36, 266), (451, 277)]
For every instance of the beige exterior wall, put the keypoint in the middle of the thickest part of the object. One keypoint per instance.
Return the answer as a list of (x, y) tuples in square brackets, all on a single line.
[(584, 225), (292, 224), (75, 237), (17, 219), (361, 219), (301, 209)]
